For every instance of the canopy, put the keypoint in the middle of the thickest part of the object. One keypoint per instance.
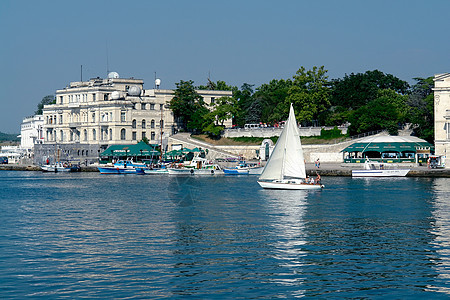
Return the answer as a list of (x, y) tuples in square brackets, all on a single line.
[(139, 149), (387, 147)]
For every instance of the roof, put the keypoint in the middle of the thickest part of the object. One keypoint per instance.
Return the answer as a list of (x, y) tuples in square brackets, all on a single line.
[(389, 143), (130, 150)]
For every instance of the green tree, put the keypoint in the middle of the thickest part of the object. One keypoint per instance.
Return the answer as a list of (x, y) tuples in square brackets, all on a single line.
[(421, 104), (224, 108), (50, 99), (309, 94), (272, 98), (244, 100), (383, 113), (187, 106), (356, 90)]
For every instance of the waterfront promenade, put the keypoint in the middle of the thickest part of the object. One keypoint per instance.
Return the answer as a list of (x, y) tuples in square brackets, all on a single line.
[(326, 169)]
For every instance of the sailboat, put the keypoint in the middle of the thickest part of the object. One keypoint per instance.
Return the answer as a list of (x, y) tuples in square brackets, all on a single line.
[(285, 168)]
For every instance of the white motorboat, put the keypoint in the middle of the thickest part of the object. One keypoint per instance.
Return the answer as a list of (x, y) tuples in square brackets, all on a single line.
[(378, 169), (57, 167), (285, 168)]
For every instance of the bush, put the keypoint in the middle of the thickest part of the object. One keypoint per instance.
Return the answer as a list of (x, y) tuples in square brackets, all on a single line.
[(330, 134)]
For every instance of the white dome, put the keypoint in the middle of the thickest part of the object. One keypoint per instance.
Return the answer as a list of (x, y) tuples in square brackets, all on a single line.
[(134, 90), (112, 75), (115, 95)]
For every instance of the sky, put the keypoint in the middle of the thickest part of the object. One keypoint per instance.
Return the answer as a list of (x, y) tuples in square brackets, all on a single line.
[(44, 43)]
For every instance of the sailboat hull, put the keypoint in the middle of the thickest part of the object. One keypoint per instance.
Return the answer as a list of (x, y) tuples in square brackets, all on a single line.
[(289, 185)]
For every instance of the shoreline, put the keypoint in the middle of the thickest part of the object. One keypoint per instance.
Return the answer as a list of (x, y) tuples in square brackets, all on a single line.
[(326, 169)]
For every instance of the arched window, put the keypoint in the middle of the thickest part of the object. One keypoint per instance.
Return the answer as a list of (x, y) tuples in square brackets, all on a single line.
[(152, 124), (133, 124), (143, 124), (94, 134), (122, 134), (62, 135), (85, 134)]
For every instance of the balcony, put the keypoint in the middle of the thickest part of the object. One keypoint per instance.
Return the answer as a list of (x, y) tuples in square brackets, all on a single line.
[(74, 124)]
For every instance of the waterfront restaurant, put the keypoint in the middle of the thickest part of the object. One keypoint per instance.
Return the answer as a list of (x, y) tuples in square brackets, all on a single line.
[(389, 149), (138, 152)]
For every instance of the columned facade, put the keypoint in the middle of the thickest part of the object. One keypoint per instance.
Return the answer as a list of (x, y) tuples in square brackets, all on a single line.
[(90, 116), (442, 115)]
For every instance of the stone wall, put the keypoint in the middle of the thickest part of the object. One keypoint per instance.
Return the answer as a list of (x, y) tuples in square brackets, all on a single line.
[(267, 132)]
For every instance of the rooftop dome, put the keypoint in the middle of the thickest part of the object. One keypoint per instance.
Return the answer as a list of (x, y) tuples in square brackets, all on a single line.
[(112, 75)]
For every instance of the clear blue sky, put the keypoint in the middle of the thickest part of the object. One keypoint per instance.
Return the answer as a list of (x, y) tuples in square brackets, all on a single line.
[(44, 43)]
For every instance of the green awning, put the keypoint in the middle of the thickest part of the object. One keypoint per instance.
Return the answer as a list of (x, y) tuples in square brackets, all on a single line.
[(139, 149), (388, 147)]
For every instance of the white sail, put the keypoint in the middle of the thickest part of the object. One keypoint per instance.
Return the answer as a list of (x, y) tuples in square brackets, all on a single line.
[(286, 159)]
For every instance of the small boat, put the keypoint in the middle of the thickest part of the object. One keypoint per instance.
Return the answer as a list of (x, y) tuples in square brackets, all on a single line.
[(123, 167), (244, 168), (285, 168), (156, 170), (197, 166), (378, 169), (57, 167)]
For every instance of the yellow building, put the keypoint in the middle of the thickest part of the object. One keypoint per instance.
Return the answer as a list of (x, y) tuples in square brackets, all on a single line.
[(89, 116)]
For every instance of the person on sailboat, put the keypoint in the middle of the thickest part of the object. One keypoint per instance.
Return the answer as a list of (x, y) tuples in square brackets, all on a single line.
[(318, 178)]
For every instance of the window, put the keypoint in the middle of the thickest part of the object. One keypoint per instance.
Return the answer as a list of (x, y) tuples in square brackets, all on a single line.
[(122, 116), (161, 124), (71, 135), (152, 106), (122, 134), (133, 135), (94, 134), (105, 97), (93, 117), (85, 134), (143, 106), (93, 97), (133, 124), (152, 124), (60, 119), (110, 134), (62, 135), (153, 136), (143, 124), (143, 134), (212, 100), (60, 99), (161, 106)]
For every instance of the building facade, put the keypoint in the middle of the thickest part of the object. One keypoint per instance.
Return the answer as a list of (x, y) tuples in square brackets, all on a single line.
[(90, 116), (442, 115), (31, 132)]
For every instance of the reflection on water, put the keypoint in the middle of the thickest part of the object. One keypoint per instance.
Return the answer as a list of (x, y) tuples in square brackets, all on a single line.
[(441, 231), (96, 236), (286, 210)]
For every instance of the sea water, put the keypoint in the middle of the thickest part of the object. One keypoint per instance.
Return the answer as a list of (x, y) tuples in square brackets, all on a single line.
[(86, 235)]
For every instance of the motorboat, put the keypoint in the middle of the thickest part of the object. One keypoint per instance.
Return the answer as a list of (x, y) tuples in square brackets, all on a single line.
[(123, 167), (244, 168), (380, 169), (57, 167)]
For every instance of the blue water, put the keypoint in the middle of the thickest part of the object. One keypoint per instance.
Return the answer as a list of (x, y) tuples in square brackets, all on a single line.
[(86, 235)]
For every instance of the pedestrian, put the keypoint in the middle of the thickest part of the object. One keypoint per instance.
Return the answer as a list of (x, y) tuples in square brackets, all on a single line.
[(317, 164)]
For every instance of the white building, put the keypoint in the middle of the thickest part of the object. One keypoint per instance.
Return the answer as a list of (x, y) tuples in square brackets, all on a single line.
[(31, 132), (90, 116), (442, 115)]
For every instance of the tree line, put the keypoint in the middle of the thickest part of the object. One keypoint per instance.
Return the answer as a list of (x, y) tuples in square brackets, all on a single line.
[(366, 101)]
